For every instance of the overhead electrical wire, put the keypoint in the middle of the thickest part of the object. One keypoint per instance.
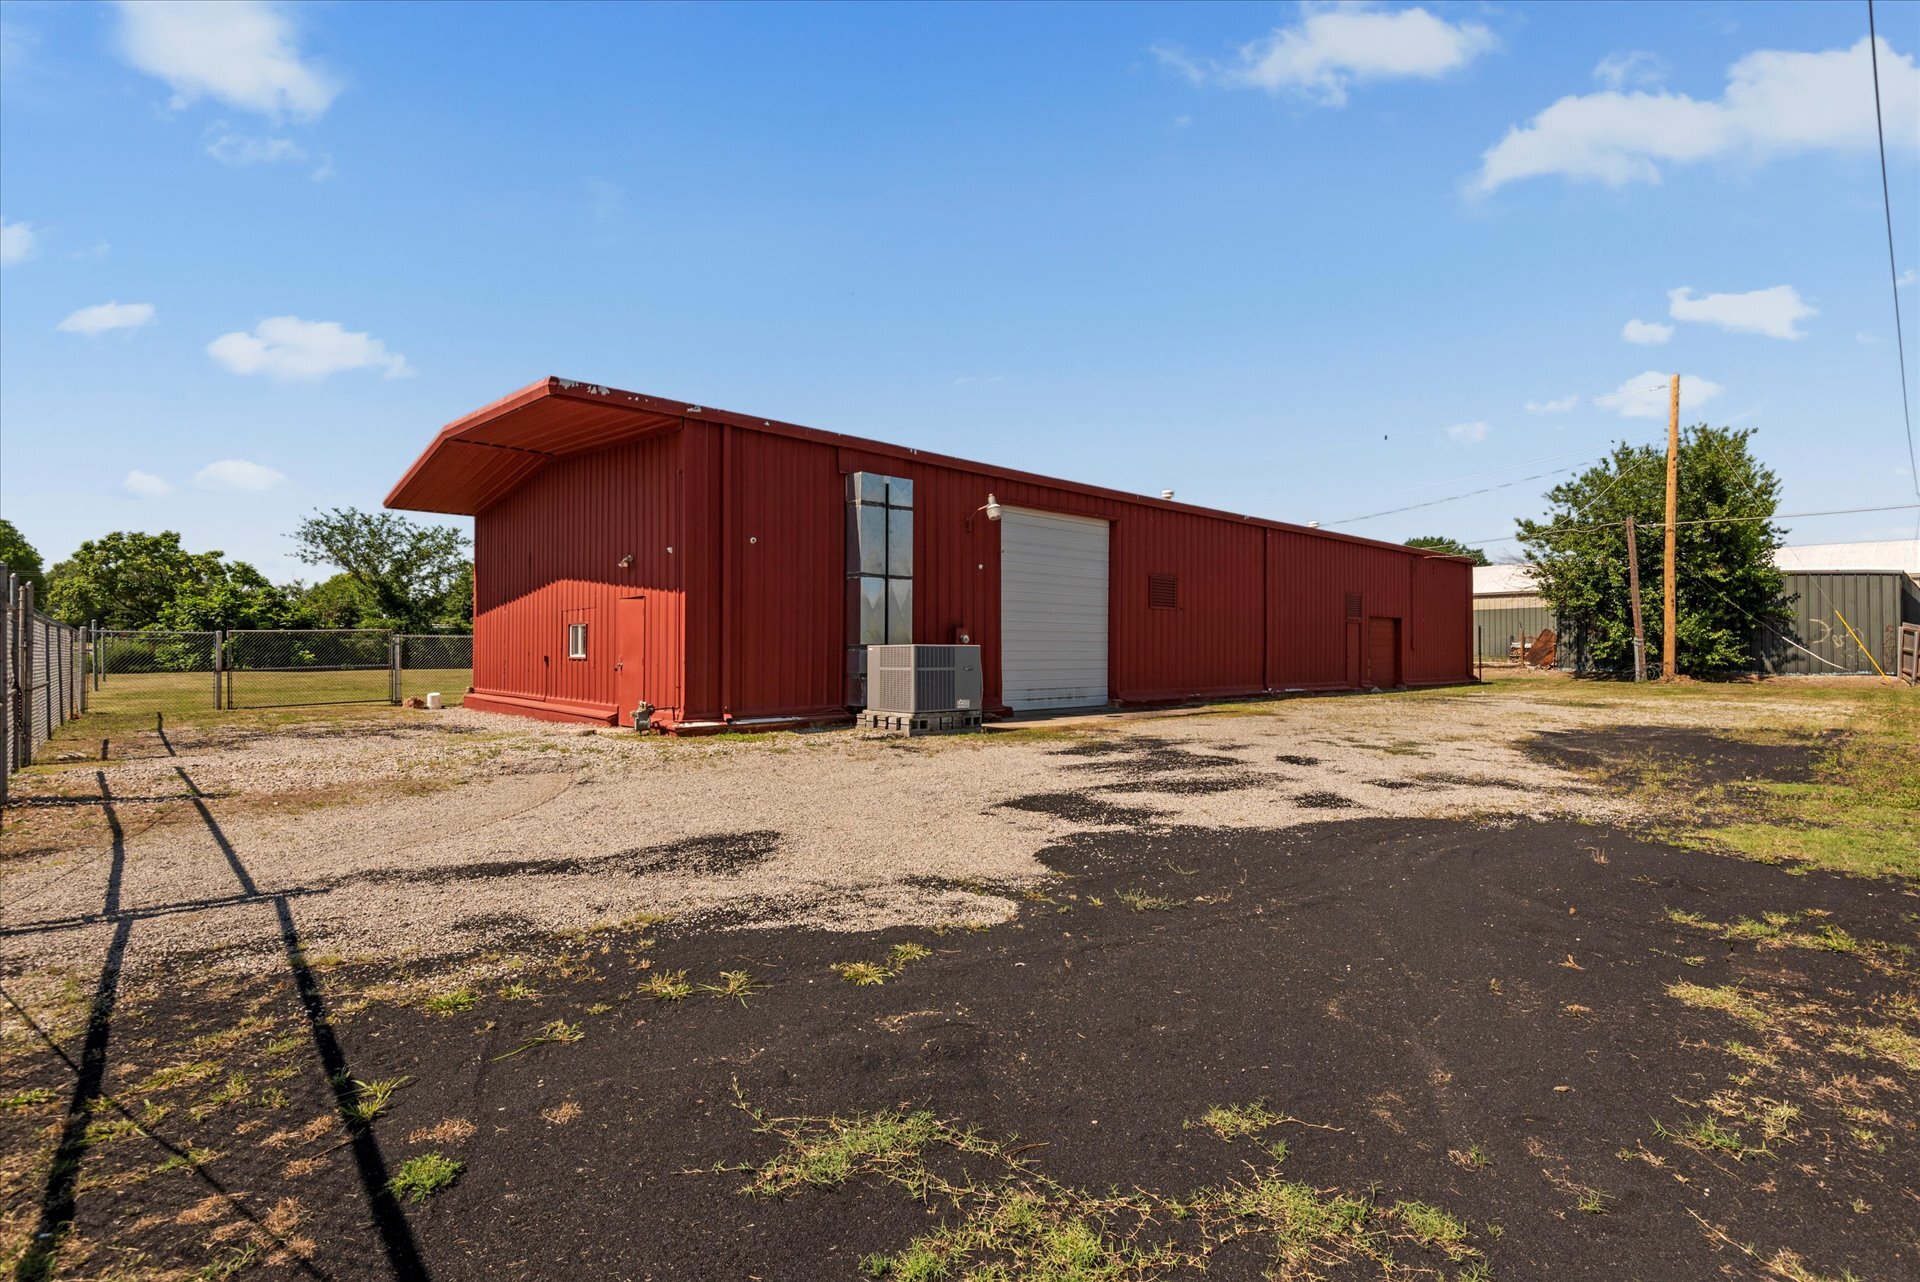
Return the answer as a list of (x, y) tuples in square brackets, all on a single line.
[(1893, 268), (1655, 527)]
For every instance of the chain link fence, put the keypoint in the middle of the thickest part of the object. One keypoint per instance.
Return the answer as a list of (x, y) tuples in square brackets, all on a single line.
[(42, 682), (159, 672)]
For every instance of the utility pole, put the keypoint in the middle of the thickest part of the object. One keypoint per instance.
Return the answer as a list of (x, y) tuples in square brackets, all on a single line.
[(1668, 611), (1633, 586)]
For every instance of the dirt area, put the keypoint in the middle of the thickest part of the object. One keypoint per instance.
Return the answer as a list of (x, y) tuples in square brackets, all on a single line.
[(1401, 986)]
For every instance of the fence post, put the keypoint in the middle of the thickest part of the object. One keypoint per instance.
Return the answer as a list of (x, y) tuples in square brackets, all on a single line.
[(6, 692), (219, 663), (393, 667), (94, 649)]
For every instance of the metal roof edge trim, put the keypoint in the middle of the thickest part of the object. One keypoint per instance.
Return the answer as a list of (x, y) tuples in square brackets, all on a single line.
[(688, 411)]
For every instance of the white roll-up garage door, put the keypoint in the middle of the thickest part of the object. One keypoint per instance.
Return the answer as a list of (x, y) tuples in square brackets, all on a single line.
[(1053, 610)]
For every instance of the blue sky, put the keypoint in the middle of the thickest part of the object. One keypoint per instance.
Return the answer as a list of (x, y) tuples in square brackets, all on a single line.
[(1306, 262)]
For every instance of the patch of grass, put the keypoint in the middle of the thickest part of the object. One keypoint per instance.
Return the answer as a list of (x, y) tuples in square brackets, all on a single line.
[(1142, 902), (361, 1102), (518, 992), (866, 974), (29, 1098), (1472, 1157), (1000, 1219), (1862, 813), (1726, 998), (667, 986), (1433, 1228), (1888, 1041), (559, 1031), (452, 1003), (737, 984), (1591, 1202), (419, 1178), (1236, 1121), (177, 1075)]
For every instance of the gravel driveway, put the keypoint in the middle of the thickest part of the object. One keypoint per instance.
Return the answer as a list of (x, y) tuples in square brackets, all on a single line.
[(416, 834)]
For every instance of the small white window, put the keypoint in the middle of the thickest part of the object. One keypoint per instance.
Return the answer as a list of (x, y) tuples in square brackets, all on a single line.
[(576, 640)]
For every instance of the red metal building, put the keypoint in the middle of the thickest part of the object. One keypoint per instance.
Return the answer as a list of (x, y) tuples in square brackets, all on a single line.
[(636, 552)]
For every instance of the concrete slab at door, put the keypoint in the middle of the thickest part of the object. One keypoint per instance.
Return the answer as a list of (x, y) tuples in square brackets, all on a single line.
[(1053, 610)]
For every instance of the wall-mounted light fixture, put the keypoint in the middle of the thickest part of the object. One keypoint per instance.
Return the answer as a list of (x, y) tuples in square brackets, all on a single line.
[(991, 507), (626, 560), (1167, 494)]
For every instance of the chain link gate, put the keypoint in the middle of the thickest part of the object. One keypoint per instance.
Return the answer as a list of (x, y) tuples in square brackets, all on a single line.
[(285, 668)]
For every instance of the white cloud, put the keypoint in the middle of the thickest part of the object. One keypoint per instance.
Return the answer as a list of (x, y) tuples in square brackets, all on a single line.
[(1906, 278), (146, 484), (1331, 48), (1468, 433), (1639, 331), (1648, 395), (16, 243), (1776, 103), (1559, 405), (102, 317), (286, 347), (241, 52), (237, 474), (1637, 67), (1773, 312), (239, 150)]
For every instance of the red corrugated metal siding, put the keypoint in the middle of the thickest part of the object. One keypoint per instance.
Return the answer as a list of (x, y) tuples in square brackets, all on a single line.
[(1441, 648), (548, 554), (747, 613), (1309, 580), (786, 585)]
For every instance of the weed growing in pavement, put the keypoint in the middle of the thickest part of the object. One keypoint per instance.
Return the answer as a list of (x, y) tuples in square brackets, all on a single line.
[(1433, 1227), (1591, 1202), (1472, 1157), (737, 984), (361, 1102), (1003, 1218), (1141, 902), (558, 1031), (27, 1098), (1236, 1121), (518, 992), (667, 986), (1727, 998), (452, 1003), (865, 974), (419, 1178)]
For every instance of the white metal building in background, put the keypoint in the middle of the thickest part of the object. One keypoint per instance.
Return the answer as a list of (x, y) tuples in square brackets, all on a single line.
[(1849, 600)]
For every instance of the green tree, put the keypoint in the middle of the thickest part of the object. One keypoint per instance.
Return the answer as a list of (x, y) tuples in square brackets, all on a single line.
[(21, 558), (1449, 547), (124, 579), (229, 595), (338, 602), (406, 567), (456, 608), (128, 580), (1727, 587)]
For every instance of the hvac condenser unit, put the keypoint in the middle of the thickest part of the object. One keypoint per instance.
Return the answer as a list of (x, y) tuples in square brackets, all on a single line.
[(923, 687)]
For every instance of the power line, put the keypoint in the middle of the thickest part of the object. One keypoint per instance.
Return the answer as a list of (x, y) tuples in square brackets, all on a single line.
[(1893, 269), (1414, 507), (1704, 520)]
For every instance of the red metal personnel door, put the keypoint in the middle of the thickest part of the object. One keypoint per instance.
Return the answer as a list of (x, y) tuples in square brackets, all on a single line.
[(1353, 653), (1383, 653), (630, 655)]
